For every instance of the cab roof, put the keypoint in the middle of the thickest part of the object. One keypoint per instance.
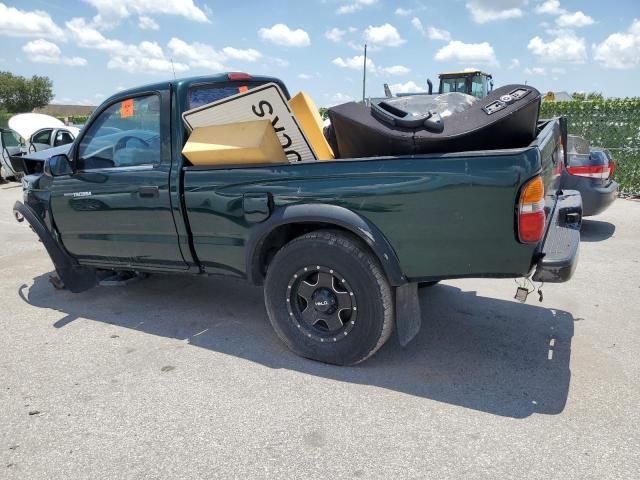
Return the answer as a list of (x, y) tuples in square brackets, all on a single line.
[(182, 83), (462, 74)]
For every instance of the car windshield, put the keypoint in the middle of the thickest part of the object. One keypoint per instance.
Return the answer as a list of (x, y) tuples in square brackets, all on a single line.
[(10, 138)]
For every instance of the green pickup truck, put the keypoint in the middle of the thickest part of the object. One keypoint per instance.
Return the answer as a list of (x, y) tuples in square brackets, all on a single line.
[(340, 246)]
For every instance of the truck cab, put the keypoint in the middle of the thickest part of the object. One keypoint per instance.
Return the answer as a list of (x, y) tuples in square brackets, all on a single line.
[(472, 82)]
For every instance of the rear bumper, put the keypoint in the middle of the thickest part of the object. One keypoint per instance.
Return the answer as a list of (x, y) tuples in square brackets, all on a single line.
[(595, 198), (559, 254)]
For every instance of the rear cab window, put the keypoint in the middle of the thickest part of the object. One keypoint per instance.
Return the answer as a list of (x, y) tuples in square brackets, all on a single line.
[(202, 94)]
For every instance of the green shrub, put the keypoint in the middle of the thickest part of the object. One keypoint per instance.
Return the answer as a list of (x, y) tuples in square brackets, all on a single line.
[(4, 118)]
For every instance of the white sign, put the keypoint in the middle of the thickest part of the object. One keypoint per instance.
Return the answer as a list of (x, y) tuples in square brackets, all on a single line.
[(266, 102)]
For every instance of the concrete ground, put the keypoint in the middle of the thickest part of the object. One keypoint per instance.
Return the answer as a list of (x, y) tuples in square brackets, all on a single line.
[(183, 377)]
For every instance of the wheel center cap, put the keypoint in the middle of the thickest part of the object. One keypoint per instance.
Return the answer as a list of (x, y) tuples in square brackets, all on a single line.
[(324, 300)]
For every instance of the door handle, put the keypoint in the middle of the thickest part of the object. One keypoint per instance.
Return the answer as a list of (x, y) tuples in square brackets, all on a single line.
[(149, 192)]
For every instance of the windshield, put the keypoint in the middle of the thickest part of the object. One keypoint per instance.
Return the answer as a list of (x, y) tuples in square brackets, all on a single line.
[(453, 85), (10, 139)]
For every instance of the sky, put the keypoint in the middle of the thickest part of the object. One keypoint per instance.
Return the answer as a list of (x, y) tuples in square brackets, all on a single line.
[(93, 48)]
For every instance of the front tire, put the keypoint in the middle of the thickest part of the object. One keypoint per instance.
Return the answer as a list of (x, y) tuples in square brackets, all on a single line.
[(328, 299)]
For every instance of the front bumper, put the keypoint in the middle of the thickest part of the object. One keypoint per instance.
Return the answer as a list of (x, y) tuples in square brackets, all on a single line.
[(559, 254), (76, 278)]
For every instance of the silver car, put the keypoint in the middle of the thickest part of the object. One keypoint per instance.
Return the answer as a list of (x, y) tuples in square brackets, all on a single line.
[(51, 137)]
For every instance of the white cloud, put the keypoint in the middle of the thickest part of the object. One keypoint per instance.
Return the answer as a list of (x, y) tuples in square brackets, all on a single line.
[(281, 34), (484, 11), (145, 57), (338, 98), (550, 7), (196, 54), (201, 55), (335, 34), (564, 48), (565, 19), (111, 12), (147, 23), (437, 34), (87, 36), (394, 70), (384, 35), (539, 71), (354, 63), (279, 62), (43, 51), (22, 23), (417, 24), (574, 20), (459, 52), (354, 6), (432, 32), (245, 55), (403, 12), (620, 50), (408, 87), (359, 47)]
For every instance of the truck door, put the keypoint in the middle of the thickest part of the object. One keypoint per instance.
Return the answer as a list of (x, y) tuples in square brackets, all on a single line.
[(115, 208)]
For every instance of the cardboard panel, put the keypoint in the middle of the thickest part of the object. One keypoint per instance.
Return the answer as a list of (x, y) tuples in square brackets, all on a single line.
[(308, 116), (266, 102), (234, 143)]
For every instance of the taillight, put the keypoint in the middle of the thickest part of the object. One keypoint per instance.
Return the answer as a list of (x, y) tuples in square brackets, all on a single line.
[(591, 171), (531, 216), (234, 76)]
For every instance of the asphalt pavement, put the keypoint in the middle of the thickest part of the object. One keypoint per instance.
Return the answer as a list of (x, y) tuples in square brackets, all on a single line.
[(182, 377)]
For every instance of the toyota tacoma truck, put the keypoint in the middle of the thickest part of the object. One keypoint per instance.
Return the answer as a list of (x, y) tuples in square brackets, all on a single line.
[(340, 246)]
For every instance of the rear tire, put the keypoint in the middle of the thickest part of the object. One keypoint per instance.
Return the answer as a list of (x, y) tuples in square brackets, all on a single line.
[(328, 299)]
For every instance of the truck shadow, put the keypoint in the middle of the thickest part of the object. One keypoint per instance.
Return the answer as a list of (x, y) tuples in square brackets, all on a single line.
[(489, 355), (596, 230)]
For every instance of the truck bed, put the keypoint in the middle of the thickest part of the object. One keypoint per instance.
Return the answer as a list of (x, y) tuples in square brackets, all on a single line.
[(444, 215)]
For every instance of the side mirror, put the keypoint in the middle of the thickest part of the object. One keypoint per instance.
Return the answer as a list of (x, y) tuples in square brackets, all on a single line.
[(57, 166)]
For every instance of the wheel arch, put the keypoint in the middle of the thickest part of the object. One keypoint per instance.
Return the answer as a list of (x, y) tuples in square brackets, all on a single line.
[(291, 221)]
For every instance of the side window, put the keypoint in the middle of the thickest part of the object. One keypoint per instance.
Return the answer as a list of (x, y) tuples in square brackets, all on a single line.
[(125, 134), (62, 138), (478, 87), (42, 137)]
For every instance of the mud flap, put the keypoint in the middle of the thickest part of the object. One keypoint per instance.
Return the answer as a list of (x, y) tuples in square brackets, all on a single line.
[(76, 278), (408, 315)]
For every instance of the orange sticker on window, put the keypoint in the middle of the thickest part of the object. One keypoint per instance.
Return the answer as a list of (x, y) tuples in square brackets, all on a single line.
[(126, 108), (243, 89)]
